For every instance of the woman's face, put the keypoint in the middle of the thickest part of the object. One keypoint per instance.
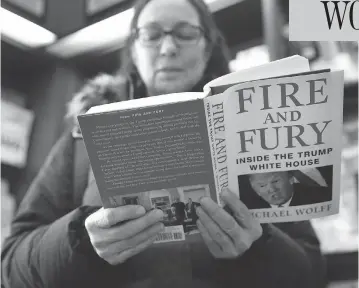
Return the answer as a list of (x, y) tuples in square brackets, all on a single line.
[(168, 67)]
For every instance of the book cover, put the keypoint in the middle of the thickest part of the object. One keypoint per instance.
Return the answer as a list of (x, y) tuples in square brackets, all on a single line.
[(282, 156)]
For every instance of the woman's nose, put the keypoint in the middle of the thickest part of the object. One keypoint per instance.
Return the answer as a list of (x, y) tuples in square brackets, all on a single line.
[(168, 45)]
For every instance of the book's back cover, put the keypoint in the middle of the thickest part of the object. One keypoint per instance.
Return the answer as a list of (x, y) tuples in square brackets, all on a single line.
[(158, 157)]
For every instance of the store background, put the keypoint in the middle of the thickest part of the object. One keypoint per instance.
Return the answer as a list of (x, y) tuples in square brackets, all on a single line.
[(41, 70)]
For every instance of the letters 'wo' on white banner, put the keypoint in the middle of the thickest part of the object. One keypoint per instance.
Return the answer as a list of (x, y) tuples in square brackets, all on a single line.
[(316, 20), (16, 123)]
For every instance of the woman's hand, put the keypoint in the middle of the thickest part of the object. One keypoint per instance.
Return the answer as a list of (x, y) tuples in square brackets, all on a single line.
[(227, 236), (119, 233)]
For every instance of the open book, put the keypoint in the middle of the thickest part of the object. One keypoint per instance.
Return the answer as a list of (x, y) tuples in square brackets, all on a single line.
[(271, 134)]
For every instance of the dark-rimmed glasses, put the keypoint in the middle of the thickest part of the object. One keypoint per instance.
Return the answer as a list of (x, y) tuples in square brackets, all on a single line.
[(183, 34)]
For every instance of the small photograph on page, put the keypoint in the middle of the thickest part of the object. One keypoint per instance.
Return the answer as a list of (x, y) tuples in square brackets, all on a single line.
[(290, 188), (178, 206)]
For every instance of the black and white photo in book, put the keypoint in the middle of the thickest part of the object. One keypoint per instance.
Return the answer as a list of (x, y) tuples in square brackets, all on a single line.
[(286, 189), (178, 205), (287, 195)]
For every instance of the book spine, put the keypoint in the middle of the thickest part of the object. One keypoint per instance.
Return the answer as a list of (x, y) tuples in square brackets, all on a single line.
[(214, 107)]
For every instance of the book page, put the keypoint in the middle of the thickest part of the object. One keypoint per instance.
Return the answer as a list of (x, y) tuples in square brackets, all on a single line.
[(222, 88), (147, 102), (284, 145), (289, 65)]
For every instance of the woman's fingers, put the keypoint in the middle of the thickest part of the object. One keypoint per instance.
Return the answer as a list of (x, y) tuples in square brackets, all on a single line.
[(239, 210), (131, 228), (225, 221), (150, 232), (215, 232), (124, 255), (107, 250), (234, 234), (118, 233), (213, 247), (106, 218)]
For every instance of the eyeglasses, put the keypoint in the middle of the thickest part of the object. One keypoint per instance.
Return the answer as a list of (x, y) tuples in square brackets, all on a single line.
[(184, 34)]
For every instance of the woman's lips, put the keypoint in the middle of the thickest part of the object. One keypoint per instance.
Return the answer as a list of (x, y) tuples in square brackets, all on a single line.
[(169, 72)]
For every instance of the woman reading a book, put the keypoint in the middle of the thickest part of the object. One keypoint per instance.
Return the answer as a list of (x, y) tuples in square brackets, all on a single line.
[(62, 238)]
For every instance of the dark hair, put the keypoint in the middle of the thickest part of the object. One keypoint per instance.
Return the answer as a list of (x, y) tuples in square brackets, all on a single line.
[(290, 173), (218, 63)]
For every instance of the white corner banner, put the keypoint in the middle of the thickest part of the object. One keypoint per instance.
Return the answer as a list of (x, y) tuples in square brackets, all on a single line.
[(16, 124), (315, 20)]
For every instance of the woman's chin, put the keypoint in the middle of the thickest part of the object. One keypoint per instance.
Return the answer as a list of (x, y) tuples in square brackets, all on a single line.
[(172, 86)]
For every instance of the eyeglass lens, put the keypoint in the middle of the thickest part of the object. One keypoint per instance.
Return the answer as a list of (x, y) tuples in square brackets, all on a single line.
[(184, 34)]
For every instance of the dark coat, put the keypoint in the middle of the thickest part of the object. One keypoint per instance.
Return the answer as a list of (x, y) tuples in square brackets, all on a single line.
[(192, 210), (303, 195), (49, 248)]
